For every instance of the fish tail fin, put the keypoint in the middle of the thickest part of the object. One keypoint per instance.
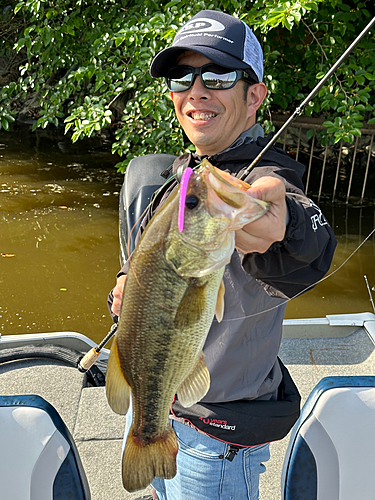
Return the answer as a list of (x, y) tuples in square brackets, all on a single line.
[(143, 460)]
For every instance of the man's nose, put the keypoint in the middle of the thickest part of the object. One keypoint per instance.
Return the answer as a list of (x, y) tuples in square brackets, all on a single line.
[(198, 90)]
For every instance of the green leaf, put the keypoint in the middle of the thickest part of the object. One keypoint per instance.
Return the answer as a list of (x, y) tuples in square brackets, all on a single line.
[(119, 40), (348, 138), (310, 134), (18, 7), (4, 123), (70, 30), (68, 126), (172, 3), (360, 79)]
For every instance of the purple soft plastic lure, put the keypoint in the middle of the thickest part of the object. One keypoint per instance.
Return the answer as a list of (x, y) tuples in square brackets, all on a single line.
[(183, 189)]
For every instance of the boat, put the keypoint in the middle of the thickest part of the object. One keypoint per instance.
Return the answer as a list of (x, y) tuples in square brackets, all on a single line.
[(60, 439)]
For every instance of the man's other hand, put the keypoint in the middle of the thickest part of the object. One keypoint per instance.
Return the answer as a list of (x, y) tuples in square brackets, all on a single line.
[(117, 295)]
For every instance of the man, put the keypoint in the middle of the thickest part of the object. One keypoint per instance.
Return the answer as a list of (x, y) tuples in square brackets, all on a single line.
[(214, 71)]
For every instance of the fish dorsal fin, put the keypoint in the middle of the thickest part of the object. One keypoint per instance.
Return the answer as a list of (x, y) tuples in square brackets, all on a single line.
[(117, 388), (219, 311), (196, 384)]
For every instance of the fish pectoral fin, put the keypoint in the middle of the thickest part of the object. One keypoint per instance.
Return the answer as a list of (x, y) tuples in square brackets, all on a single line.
[(219, 311), (117, 388), (196, 384), (192, 305)]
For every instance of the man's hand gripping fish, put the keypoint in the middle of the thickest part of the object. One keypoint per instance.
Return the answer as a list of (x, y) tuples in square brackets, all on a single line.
[(172, 292)]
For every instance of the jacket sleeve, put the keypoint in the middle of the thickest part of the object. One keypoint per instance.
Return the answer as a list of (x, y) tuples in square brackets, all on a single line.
[(295, 264)]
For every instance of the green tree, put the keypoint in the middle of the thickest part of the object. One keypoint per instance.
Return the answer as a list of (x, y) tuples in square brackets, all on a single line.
[(85, 65)]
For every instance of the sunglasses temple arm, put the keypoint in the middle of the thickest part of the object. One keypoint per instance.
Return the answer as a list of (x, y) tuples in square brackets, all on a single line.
[(312, 94)]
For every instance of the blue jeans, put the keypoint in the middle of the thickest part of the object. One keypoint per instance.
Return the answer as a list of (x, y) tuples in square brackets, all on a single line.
[(202, 473)]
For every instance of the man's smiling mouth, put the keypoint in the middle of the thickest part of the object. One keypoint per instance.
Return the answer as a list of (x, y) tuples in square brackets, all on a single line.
[(201, 116)]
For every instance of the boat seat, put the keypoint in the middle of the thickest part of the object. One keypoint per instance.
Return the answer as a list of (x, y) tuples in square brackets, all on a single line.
[(39, 460), (142, 178), (331, 453)]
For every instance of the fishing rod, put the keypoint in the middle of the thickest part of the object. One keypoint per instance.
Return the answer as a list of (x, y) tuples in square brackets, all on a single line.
[(369, 292), (92, 355), (298, 111)]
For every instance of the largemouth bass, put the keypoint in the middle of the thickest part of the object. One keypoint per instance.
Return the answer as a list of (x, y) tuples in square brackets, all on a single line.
[(173, 289)]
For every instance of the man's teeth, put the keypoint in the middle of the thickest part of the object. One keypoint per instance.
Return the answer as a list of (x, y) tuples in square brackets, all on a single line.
[(202, 116)]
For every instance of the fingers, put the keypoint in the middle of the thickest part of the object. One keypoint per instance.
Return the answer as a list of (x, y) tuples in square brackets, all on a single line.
[(249, 243), (268, 189), (259, 235), (117, 295)]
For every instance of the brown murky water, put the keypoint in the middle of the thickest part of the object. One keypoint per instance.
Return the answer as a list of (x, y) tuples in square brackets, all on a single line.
[(58, 236), (345, 291), (59, 243)]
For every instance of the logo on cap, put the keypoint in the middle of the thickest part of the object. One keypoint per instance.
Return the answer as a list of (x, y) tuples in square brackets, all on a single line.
[(202, 24)]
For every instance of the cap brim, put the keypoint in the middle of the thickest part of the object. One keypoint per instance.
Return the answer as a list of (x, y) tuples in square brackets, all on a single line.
[(166, 59)]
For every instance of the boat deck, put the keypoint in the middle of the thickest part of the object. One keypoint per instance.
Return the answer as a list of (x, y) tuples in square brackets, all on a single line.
[(310, 352)]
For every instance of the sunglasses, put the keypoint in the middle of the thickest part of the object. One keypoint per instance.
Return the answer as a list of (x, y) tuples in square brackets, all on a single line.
[(213, 76)]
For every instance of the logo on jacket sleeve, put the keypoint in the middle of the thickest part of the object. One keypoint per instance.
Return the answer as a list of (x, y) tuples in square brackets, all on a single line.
[(317, 219)]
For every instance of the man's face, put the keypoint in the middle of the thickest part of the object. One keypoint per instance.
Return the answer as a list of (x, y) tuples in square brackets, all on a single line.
[(213, 119)]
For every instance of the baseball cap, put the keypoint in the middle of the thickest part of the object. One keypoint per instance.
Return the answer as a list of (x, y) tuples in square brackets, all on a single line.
[(222, 38)]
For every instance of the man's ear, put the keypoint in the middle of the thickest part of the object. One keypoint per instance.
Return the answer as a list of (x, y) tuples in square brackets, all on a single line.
[(255, 96), (171, 94)]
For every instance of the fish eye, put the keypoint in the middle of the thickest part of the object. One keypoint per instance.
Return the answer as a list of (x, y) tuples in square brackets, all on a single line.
[(191, 201)]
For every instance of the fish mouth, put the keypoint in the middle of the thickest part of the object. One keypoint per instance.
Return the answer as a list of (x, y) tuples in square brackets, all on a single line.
[(225, 178), (228, 197)]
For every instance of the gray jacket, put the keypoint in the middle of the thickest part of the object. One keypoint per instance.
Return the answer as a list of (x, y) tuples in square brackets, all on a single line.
[(241, 351)]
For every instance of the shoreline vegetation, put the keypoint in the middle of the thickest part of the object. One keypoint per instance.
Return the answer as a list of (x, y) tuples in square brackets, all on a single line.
[(81, 69)]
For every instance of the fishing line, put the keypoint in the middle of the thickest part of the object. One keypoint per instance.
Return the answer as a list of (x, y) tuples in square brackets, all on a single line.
[(308, 287)]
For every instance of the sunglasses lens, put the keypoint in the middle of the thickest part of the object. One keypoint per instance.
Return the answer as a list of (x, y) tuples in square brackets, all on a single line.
[(179, 79), (219, 80), (213, 77)]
